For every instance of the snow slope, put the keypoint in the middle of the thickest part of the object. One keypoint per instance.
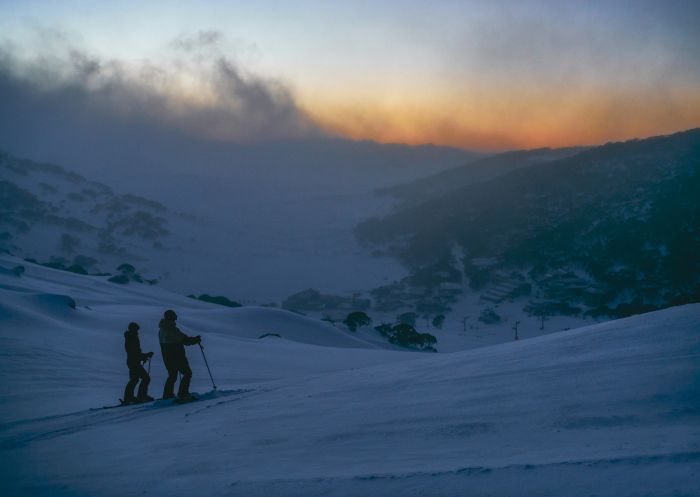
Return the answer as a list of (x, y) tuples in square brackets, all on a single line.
[(76, 356), (610, 409)]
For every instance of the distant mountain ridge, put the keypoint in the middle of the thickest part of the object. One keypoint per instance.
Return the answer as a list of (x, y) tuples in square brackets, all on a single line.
[(476, 171), (620, 221), (126, 160)]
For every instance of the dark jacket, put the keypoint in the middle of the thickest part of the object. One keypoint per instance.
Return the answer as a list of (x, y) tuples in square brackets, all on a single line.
[(169, 333), (132, 345), (172, 343)]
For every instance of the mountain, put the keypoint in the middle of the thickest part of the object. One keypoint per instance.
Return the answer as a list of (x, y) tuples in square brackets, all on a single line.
[(608, 410), (245, 238), (263, 220), (132, 158), (64, 218), (611, 230), (475, 171)]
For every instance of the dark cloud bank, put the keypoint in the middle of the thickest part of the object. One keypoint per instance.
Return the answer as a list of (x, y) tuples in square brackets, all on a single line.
[(66, 91), (112, 120), (239, 106)]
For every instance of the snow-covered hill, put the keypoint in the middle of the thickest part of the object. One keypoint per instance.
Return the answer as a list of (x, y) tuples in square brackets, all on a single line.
[(65, 326), (244, 236), (610, 231), (60, 216), (609, 409)]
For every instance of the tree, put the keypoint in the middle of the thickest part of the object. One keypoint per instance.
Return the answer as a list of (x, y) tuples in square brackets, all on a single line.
[(356, 320), (428, 340), (216, 299), (78, 269), (126, 269), (384, 329), (438, 321), (406, 335), (127, 274), (119, 279)]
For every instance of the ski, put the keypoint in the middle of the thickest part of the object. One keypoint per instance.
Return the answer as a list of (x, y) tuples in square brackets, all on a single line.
[(121, 404), (174, 400)]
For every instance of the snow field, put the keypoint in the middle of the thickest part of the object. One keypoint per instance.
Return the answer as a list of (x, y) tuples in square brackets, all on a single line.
[(610, 409)]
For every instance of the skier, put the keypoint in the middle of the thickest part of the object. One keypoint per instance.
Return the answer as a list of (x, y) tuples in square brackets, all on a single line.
[(172, 345), (134, 360)]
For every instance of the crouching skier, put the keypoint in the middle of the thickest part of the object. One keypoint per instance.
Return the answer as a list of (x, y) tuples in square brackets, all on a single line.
[(172, 345), (134, 360)]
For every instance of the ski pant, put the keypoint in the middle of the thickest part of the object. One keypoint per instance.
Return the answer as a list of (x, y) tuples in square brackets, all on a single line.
[(176, 362), (136, 373)]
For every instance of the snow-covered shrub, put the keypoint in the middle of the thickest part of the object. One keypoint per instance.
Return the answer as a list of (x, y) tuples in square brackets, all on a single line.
[(406, 335), (219, 300), (120, 279), (356, 320)]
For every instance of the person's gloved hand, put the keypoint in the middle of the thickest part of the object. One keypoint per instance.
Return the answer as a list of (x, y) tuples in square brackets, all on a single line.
[(150, 354), (199, 338)]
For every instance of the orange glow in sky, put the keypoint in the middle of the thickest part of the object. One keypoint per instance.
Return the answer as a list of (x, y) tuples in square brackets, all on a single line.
[(502, 120), (474, 74)]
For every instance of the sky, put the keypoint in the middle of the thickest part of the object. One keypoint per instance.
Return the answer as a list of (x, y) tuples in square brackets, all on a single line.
[(485, 75)]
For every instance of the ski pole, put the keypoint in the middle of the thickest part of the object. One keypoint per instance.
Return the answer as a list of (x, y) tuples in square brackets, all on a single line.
[(149, 366), (207, 363)]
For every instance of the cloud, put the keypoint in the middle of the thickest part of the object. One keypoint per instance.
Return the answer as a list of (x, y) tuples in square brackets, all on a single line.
[(627, 45), (199, 40), (195, 88)]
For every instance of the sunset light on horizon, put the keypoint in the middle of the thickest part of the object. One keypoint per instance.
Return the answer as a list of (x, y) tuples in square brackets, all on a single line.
[(471, 74)]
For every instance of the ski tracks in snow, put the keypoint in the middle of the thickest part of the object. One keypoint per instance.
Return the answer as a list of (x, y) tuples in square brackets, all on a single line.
[(20, 433)]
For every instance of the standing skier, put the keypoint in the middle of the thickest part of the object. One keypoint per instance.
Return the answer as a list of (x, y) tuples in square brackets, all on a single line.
[(134, 360), (172, 345)]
